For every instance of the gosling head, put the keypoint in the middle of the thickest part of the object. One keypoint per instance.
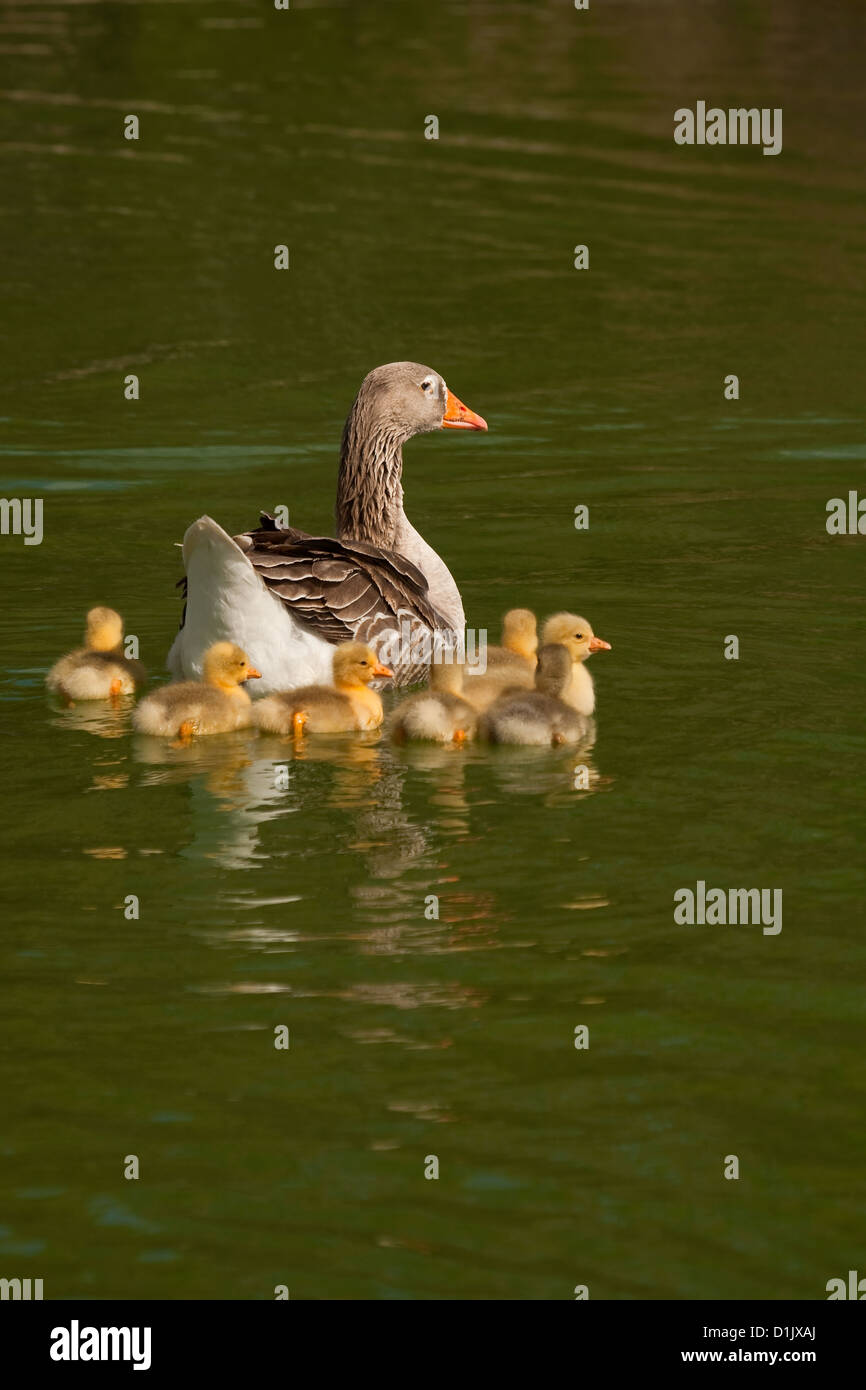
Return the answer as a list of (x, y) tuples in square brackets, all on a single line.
[(227, 666), (357, 664), (520, 632), (104, 631), (553, 671), (575, 634)]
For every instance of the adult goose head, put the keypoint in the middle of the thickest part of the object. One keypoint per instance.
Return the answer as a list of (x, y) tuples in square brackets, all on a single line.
[(394, 403), (288, 596)]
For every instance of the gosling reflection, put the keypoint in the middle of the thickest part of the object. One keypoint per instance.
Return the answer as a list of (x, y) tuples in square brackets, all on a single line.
[(410, 874), (444, 781), (232, 792), (552, 774), (356, 762), (398, 809), (215, 758), (102, 720), (240, 781)]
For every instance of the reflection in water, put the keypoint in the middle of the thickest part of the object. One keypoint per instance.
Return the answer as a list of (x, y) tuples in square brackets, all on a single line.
[(549, 774), (369, 781), (232, 792), (401, 812), (102, 718)]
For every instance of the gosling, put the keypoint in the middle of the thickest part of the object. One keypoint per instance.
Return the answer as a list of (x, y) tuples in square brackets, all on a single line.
[(98, 670), (540, 716), (515, 660), (217, 704), (346, 706), (439, 714), (579, 640)]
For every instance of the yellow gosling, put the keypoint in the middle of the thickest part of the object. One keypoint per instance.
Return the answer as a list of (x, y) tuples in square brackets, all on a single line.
[(514, 662), (579, 640), (347, 706), (540, 716), (439, 714), (215, 705), (98, 670)]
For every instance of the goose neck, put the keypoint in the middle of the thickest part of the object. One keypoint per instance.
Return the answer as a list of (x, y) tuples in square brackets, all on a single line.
[(369, 487)]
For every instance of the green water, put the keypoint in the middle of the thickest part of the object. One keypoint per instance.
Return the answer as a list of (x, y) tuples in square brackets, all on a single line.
[(305, 906)]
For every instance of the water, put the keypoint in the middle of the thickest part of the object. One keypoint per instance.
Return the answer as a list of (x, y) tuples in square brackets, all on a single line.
[(305, 906)]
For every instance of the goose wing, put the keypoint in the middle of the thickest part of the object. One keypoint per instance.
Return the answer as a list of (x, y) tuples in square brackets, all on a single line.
[(345, 590)]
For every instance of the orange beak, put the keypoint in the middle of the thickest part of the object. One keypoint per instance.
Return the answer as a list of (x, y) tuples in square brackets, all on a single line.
[(459, 417), (253, 674), (597, 644), (380, 670)]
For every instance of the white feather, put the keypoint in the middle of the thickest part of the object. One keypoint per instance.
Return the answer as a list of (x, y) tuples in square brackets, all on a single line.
[(227, 601)]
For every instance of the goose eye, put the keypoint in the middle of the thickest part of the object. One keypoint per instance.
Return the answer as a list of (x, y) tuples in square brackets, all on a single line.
[(427, 385)]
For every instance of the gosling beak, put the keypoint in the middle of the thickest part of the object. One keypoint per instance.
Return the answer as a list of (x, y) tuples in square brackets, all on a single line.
[(597, 644), (380, 670), (459, 417), (253, 674)]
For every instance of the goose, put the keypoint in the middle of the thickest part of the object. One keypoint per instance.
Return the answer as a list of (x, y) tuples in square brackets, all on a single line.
[(576, 635), (349, 704), (217, 705), (439, 714), (514, 661), (539, 716), (290, 597), (98, 670)]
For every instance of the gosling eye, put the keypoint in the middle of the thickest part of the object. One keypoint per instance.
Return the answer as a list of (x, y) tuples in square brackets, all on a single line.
[(365, 663), (579, 636)]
